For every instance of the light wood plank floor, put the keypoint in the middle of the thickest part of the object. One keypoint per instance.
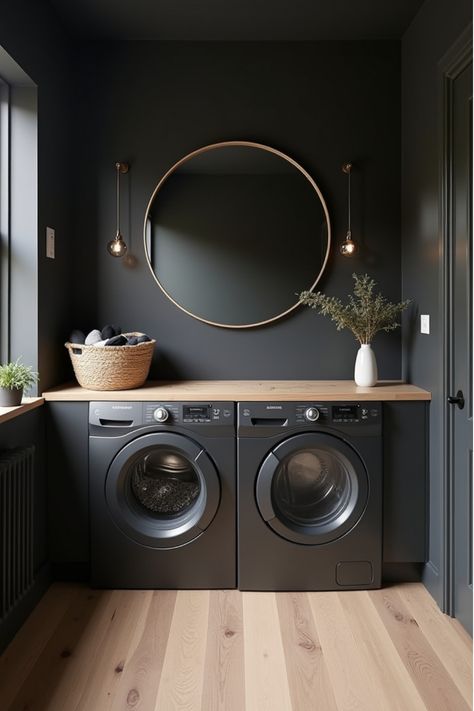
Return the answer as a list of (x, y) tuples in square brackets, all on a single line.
[(84, 650)]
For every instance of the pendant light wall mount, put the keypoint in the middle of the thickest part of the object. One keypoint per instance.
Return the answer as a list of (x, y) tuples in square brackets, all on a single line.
[(348, 248), (117, 246)]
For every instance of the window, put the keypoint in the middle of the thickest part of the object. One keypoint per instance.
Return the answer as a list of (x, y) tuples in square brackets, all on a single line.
[(4, 219), (18, 213)]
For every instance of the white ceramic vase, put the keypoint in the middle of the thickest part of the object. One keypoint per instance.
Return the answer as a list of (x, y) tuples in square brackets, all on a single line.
[(365, 371)]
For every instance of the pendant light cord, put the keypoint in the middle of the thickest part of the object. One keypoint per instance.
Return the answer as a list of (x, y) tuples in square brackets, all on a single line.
[(349, 203), (118, 199)]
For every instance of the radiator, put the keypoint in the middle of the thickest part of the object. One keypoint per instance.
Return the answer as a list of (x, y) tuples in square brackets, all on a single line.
[(16, 526)]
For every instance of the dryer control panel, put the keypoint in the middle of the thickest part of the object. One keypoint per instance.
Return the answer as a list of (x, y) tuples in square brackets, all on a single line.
[(349, 413), (340, 415)]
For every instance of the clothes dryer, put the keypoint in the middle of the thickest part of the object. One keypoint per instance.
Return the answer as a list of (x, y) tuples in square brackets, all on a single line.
[(309, 495)]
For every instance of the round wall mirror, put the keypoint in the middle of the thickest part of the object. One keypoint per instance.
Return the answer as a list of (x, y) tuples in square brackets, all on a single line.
[(234, 231)]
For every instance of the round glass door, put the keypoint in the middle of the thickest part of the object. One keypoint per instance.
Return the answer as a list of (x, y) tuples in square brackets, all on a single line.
[(164, 482), (162, 490), (312, 488)]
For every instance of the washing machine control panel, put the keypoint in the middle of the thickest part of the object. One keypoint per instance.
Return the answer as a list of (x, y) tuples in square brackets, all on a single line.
[(189, 413), (311, 414), (161, 414), (129, 415), (197, 413), (355, 413)]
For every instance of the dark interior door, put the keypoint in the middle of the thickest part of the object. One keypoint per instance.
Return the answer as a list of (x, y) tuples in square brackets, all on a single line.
[(461, 380)]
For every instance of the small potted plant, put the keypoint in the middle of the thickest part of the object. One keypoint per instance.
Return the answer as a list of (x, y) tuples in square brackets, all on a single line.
[(15, 378), (365, 314)]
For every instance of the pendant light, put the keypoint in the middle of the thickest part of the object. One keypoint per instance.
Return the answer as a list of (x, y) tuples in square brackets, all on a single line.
[(348, 247), (117, 247)]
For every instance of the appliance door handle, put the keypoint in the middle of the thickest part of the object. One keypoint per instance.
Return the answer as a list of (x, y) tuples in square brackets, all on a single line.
[(457, 399), (115, 423)]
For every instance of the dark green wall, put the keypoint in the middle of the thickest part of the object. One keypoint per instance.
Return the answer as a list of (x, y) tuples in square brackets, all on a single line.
[(322, 103), (436, 27)]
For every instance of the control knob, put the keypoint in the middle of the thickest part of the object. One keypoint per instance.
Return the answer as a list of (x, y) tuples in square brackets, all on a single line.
[(311, 414), (161, 414)]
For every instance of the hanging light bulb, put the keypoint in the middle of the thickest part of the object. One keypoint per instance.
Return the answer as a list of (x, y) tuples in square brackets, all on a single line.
[(348, 247), (117, 247)]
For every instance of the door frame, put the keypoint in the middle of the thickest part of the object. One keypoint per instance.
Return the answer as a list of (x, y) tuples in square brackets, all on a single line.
[(454, 62)]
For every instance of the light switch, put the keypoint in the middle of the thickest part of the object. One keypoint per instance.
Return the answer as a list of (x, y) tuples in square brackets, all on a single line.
[(50, 239), (424, 323)]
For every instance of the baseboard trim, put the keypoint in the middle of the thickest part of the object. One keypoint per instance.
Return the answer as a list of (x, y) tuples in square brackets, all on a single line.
[(401, 573), (432, 581), (71, 572)]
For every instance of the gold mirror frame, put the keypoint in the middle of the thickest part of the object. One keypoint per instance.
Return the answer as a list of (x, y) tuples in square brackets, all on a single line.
[(248, 144)]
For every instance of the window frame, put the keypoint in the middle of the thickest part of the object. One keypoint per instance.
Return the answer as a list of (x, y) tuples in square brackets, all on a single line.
[(5, 236)]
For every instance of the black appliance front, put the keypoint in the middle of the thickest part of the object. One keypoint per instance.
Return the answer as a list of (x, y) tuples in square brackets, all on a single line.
[(162, 495), (309, 496)]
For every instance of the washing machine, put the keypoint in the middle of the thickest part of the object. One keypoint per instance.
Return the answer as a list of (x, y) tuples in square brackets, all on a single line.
[(309, 495), (162, 494)]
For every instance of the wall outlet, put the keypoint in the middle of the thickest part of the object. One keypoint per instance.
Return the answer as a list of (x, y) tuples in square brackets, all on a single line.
[(424, 323), (50, 239)]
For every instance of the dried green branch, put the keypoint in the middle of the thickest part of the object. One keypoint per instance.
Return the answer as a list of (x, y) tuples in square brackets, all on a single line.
[(365, 314)]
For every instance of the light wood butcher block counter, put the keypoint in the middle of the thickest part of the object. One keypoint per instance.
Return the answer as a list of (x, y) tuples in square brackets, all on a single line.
[(27, 404), (245, 390)]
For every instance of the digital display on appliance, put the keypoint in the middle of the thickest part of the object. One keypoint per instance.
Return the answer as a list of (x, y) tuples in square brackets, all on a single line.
[(344, 412), (196, 412)]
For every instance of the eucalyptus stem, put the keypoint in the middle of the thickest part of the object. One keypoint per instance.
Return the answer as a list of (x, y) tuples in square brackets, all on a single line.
[(365, 314)]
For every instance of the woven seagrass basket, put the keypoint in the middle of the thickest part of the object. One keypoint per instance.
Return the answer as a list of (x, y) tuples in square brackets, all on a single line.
[(111, 367)]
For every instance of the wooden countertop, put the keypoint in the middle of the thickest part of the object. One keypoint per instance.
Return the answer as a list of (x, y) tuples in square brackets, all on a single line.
[(244, 390), (27, 404)]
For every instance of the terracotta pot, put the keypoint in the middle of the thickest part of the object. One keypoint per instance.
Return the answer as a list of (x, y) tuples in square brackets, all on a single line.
[(10, 398)]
